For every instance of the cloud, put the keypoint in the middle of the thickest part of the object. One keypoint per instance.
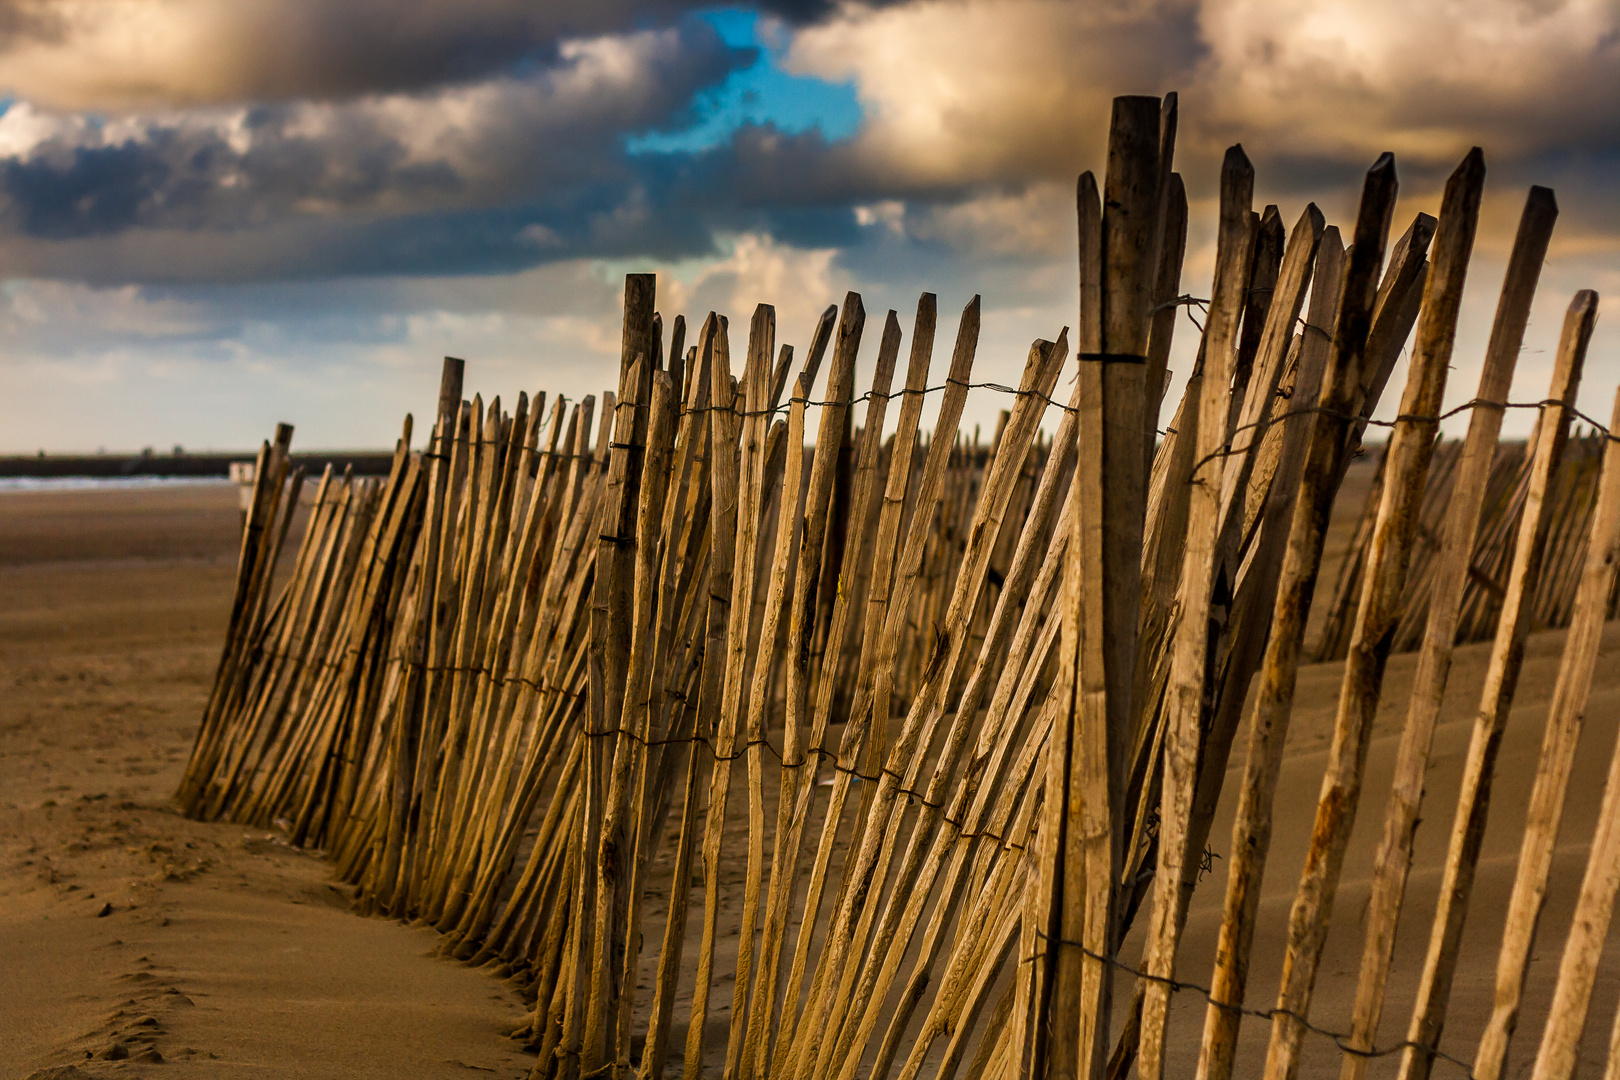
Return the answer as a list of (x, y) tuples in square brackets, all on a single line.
[(1427, 79), (305, 203), (972, 91), (992, 91), (798, 282), (139, 54), (1027, 221), (977, 116), (36, 312), (483, 177), (551, 132), (129, 366)]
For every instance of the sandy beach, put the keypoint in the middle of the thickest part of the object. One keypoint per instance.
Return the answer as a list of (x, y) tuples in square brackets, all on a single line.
[(134, 942), (129, 935)]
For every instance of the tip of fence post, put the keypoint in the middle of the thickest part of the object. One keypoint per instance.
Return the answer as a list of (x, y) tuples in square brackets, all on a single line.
[(1543, 198), (450, 385)]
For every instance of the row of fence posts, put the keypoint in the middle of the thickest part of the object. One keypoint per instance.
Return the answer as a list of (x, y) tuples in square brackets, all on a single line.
[(1572, 502), (749, 739)]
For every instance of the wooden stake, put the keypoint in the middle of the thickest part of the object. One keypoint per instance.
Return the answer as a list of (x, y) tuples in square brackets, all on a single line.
[(1189, 699), (1449, 575), (1577, 971), (1411, 448), (1251, 830), (1501, 679), (1564, 723)]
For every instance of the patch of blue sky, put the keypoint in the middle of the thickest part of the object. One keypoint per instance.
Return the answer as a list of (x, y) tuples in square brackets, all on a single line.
[(762, 93)]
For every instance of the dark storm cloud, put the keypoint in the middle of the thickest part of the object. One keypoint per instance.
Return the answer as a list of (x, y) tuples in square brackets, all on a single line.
[(125, 54), (623, 214), (269, 199), (100, 191), (975, 113), (548, 144)]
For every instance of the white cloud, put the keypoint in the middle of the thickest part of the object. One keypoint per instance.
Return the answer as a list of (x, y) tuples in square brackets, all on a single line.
[(799, 282), (1425, 78), (1032, 222), (983, 90), (42, 307), (975, 90)]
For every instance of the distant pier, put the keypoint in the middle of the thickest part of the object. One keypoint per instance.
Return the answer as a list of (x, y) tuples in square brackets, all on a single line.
[(55, 466)]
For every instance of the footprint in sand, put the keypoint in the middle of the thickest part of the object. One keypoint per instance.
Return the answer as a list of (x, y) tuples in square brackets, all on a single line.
[(132, 1031)]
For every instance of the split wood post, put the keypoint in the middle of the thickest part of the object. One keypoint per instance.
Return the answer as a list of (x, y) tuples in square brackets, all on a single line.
[(741, 645), (747, 1026), (559, 597), (1254, 414), (991, 932), (946, 673), (1400, 295), (611, 627), (836, 539), (439, 632), (668, 707), (713, 579), (472, 893), (1583, 948), (573, 981), (218, 793), (896, 583), (1163, 537), (1171, 248), (1078, 763), (1411, 448), (1265, 265), (462, 659), (1329, 444), (1263, 532), (1230, 662), (1449, 577), (1188, 697), (411, 709), (833, 973), (801, 758), (516, 517), (984, 777), (1102, 595), (873, 618), (269, 474), (1501, 679), (616, 850), (737, 474), (747, 1031), (1564, 723), (411, 694)]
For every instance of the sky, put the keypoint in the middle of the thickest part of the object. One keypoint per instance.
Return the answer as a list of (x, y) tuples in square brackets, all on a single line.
[(220, 214)]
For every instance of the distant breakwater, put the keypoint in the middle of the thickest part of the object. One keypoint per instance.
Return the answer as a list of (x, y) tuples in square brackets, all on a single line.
[(364, 463)]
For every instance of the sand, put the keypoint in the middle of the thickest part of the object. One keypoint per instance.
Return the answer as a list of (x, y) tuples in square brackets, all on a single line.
[(128, 934), (1310, 733), (229, 954)]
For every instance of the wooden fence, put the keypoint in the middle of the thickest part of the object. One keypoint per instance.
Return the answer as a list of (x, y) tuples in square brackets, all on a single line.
[(1573, 502), (754, 742)]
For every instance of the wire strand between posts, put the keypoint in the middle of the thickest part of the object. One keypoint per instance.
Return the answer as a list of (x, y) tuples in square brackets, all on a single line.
[(1176, 986), (1227, 451)]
